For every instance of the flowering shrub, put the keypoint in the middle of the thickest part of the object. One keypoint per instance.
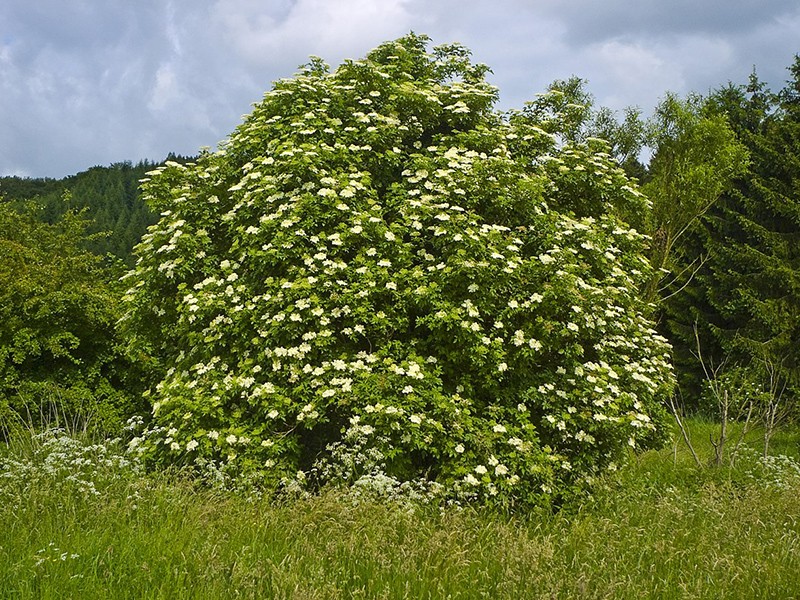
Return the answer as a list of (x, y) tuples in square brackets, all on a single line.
[(378, 260)]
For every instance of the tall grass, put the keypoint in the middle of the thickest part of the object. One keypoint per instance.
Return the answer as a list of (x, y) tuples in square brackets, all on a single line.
[(662, 529)]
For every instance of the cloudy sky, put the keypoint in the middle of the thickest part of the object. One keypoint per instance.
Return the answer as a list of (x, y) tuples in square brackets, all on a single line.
[(92, 82)]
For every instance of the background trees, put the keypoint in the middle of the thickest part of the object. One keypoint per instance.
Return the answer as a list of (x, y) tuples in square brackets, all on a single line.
[(744, 300), (696, 158), (109, 195), (59, 353)]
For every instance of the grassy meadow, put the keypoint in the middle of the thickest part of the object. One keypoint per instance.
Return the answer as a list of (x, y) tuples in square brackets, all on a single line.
[(79, 522)]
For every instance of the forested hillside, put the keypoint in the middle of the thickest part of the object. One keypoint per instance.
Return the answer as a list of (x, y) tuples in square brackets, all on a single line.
[(109, 195)]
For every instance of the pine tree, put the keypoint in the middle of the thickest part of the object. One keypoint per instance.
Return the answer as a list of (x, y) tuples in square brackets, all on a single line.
[(745, 298)]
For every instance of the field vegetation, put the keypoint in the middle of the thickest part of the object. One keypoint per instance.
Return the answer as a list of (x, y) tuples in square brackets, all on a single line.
[(80, 520), (389, 342)]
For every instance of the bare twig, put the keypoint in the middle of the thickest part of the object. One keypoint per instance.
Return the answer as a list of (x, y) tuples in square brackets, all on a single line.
[(703, 259), (676, 414)]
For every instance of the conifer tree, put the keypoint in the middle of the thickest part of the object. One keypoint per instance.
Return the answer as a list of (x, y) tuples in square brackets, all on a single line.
[(745, 299)]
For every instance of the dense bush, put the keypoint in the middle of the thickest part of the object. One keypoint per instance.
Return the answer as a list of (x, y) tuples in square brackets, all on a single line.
[(59, 353), (378, 275)]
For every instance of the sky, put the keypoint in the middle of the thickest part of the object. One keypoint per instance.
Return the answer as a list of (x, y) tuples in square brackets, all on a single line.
[(94, 82)]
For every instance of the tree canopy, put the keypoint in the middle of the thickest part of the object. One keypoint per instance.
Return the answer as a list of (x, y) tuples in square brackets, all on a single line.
[(744, 299), (59, 353)]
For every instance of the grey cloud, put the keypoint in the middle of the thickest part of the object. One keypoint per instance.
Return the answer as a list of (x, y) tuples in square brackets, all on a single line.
[(590, 20), (95, 81), (332, 29)]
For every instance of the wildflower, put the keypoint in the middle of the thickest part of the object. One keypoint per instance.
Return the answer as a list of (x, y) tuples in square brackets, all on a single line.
[(481, 470), (459, 449), (191, 445)]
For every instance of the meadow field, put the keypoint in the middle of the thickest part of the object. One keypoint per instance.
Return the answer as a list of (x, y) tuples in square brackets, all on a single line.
[(80, 520)]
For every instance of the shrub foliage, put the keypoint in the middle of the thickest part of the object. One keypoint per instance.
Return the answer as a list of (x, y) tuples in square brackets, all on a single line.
[(378, 274), (60, 356)]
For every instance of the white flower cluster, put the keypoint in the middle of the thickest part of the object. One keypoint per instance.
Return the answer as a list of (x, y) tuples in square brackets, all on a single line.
[(64, 460)]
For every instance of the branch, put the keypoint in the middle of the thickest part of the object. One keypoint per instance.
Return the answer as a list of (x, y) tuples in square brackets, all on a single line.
[(703, 259), (683, 431)]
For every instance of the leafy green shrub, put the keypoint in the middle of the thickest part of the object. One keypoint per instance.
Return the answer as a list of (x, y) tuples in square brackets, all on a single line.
[(380, 275), (60, 357)]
